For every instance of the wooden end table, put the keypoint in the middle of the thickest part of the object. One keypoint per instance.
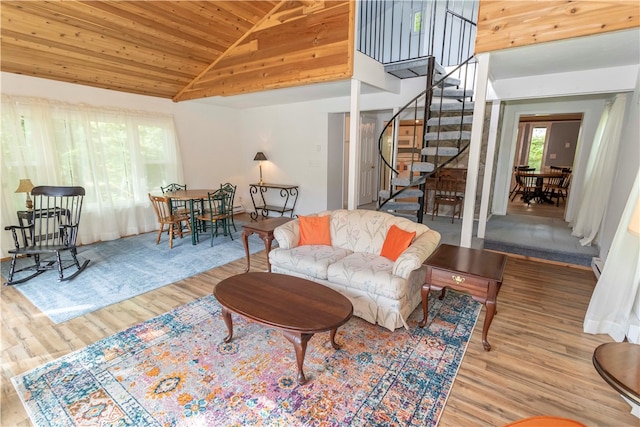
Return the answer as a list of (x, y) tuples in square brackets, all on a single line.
[(618, 363), (264, 229), (474, 271), (299, 307)]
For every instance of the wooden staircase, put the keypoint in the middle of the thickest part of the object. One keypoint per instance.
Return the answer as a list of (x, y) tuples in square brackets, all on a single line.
[(446, 106)]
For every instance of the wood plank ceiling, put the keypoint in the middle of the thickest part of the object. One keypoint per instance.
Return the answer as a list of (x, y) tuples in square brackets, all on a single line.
[(179, 50)]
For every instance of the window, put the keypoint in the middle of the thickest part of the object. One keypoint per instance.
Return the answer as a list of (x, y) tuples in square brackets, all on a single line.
[(118, 156)]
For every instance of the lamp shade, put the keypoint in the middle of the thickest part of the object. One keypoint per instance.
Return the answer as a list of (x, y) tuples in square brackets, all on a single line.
[(260, 156), (25, 186)]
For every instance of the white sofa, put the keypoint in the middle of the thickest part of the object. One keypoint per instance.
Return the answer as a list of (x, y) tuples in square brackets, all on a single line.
[(381, 291)]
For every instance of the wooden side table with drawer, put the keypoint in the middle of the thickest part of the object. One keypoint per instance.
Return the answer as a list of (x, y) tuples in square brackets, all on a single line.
[(473, 271)]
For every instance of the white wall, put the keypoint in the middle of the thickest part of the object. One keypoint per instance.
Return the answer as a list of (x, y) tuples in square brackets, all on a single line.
[(601, 80)]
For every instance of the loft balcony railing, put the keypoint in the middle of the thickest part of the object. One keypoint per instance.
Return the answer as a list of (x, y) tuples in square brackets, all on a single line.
[(398, 31)]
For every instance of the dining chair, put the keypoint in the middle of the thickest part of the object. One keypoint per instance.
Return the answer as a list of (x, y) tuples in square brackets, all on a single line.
[(177, 206), (448, 193), (558, 187), (167, 217), (182, 206), (518, 187), (216, 213), (231, 188), (529, 186)]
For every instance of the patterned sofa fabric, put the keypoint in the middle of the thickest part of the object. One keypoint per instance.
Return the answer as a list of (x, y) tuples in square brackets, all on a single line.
[(353, 265)]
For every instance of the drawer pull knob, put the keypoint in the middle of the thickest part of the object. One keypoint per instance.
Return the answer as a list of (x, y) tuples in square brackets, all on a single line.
[(457, 279)]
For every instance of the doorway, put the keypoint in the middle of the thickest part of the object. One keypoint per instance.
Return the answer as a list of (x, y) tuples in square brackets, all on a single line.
[(367, 167), (545, 142)]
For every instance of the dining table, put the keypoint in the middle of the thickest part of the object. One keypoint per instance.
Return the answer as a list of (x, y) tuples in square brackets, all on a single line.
[(540, 177), (191, 196)]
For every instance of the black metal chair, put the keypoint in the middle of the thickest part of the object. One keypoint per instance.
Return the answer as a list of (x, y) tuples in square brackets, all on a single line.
[(216, 212), (178, 207), (232, 189), (181, 207), (52, 230)]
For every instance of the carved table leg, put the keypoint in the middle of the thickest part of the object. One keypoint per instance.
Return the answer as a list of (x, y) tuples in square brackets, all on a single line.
[(491, 311), (299, 342), (425, 304), (245, 242), (267, 239), (226, 315), (334, 344)]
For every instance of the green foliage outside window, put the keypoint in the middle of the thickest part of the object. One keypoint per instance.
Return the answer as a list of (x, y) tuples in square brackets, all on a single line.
[(536, 147)]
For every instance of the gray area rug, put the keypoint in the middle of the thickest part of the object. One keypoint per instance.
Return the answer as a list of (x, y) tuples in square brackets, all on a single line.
[(123, 268), (527, 235), (538, 237)]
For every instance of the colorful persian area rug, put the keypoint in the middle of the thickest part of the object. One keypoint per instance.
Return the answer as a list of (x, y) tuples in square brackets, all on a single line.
[(123, 268), (175, 370)]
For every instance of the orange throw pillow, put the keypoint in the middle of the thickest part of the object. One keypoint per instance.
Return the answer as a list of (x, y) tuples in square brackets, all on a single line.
[(314, 230), (396, 242)]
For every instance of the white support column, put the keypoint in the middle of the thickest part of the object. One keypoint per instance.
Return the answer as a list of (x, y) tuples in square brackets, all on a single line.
[(488, 168), (474, 151), (354, 145)]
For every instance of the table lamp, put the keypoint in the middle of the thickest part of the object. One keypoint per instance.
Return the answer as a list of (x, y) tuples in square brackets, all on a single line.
[(26, 186), (260, 157)]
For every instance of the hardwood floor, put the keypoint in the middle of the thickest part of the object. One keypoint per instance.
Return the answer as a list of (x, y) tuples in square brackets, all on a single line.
[(519, 207), (540, 362)]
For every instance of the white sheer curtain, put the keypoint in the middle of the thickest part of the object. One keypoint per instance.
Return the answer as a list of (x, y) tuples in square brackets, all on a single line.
[(600, 172), (611, 305), (117, 155)]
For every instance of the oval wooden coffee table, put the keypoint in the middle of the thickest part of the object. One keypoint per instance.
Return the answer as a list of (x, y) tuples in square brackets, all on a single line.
[(299, 307)]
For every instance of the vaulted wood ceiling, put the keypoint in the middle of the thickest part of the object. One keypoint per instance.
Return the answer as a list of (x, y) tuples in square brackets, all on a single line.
[(179, 50)]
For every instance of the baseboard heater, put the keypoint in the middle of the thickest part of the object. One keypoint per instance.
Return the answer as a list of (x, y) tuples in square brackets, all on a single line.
[(597, 265)]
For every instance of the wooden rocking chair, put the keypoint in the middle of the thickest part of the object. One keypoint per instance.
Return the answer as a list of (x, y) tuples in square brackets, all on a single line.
[(52, 230)]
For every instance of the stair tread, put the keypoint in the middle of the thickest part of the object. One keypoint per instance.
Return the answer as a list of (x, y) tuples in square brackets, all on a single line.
[(435, 121), (451, 106), (404, 182), (450, 92), (410, 192), (411, 68), (449, 81), (441, 151), (423, 167), (402, 206), (454, 134)]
